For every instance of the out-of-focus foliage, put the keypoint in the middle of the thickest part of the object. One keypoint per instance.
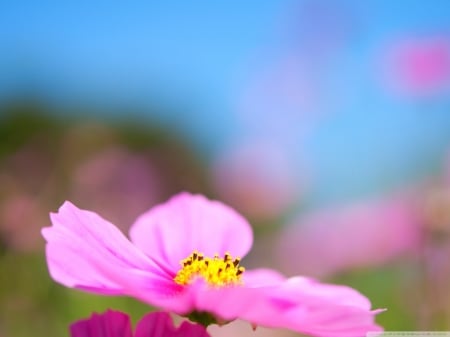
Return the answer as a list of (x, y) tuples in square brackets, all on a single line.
[(120, 168)]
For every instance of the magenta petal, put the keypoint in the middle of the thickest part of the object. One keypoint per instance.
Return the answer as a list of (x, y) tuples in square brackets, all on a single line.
[(109, 324), (117, 324), (85, 251), (187, 222), (190, 330), (156, 324), (159, 324)]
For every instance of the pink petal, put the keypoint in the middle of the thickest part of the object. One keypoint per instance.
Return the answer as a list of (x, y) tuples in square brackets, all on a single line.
[(306, 289), (262, 277), (187, 222), (325, 310), (109, 324), (336, 322), (226, 303), (298, 304), (159, 324), (252, 301), (85, 251)]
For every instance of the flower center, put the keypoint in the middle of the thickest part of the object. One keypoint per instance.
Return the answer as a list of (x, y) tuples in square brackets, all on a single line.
[(215, 271)]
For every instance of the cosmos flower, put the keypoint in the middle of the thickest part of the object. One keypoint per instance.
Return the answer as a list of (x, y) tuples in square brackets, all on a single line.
[(264, 183), (184, 256), (117, 324), (381, 229), (118, 183), (419, 66)]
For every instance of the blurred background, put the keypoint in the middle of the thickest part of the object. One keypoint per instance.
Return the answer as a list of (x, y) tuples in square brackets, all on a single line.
[(325, 123)]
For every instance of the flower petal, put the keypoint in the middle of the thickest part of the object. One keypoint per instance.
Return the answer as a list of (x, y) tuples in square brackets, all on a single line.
[(335, 322), (85, 251), (156, 324), (173, 230), (324, 309), (109, 324), (307, 289), (159, 324), (262, 277), (299, 304), (191, 330), (225, 303)]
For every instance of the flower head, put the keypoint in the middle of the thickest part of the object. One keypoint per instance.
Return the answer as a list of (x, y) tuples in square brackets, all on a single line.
[(184, 256), (117, 324)]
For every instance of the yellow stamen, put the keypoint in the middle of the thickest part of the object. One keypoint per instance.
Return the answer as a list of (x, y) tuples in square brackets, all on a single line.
[(215, 271)]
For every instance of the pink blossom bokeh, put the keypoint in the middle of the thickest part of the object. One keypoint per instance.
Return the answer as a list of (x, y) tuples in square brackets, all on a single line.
[(358, 235), (117, 182), (258, 179), (418, 66)]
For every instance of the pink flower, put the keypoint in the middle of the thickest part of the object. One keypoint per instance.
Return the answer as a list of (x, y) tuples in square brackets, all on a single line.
[(263, 185), (184, 257), (380, 230), (419, 66), (118, 182), (117, 324)]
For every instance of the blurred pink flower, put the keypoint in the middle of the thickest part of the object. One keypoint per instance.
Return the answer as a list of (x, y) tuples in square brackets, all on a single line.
[(117, 324), (419, 67), (118, 183), (357, 235), (257, 179), (180, 260), (21, 218), (25, 178)]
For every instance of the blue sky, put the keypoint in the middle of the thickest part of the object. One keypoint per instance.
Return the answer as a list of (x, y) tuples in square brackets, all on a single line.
[(193, 58), (108, 53)]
